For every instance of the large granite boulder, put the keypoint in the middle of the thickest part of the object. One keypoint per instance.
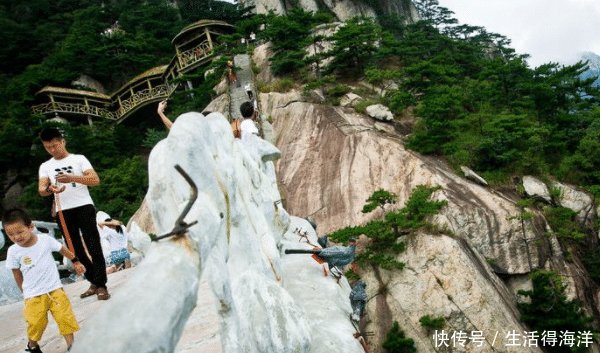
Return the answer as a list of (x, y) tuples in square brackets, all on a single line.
[(237, 244), (576, 200), (536, 188), (380, 112)]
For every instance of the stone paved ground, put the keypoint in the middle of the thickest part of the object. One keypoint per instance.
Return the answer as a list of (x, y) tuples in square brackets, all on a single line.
[(201, 333)]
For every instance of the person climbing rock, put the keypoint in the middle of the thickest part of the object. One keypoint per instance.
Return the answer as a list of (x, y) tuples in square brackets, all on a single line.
[(358, 300), (335, 256), (67, 176)]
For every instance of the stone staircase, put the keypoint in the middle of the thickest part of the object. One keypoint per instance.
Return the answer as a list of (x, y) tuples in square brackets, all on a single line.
[(238, 95)]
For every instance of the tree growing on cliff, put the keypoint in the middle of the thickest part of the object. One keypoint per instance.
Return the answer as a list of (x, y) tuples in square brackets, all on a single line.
[(385, 233), (549, 310), (379, 198), (355, 45), (397, 342)]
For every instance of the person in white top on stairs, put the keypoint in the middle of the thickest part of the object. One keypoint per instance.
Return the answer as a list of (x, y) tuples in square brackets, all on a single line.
[(248, 126)]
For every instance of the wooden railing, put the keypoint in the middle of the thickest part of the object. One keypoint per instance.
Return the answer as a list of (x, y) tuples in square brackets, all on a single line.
[(191, 56), (142, 96), (76, 108)]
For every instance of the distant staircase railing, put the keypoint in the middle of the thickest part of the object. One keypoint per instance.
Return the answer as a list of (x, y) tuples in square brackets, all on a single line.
[(142, 96), (194, 55), (60, 107)]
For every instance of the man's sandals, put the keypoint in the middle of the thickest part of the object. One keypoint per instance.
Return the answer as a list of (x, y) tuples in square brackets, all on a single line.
[(91, 291), (101, 292)]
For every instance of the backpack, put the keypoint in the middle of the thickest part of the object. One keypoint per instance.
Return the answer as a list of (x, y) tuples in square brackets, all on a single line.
[(235, 127)]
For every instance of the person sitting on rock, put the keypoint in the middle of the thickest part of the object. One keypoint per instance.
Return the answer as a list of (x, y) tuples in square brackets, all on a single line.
[(116, 234)]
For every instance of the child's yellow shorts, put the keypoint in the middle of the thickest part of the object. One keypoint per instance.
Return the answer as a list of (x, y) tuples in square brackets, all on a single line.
[(36, 314)]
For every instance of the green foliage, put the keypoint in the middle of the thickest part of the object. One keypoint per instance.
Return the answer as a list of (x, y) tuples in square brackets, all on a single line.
[(380, 198), (122, 188), (361, 106), (289, 35), (563, 223), (351, 276), (398, 100), (153, 136), (283, 85), (384, 234), (354, 45), (397, 342), (432, 323), (583, 166), (592, 263), (382, 78), (550, 310), (479, 104), (338, 90)]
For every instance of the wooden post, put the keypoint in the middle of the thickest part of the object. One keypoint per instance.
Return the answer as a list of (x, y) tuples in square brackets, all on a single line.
[(210, 43), (178, 53), (52, 100)]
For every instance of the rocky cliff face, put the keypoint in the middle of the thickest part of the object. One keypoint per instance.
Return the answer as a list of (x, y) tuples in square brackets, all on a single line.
[(337, 158), (342, 9), (267, 302), (333, 159)]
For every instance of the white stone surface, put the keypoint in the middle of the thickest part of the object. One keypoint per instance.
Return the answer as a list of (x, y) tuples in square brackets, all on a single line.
[(349, 99), (201, 329), (9, 292), (331, 330), (470, 174), (260, 57), (576, 200), (236, 244), (380, 112), (138, 239), (337, 159), (536, 188)]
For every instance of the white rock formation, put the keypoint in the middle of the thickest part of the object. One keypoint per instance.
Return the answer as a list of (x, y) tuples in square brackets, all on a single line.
[(236, 242), (260, 57), (576, 200), (349, 99), (343, 10), (536, 188), (337, 159), (333, 160), (470, 174), (9, 292), (380, 112)]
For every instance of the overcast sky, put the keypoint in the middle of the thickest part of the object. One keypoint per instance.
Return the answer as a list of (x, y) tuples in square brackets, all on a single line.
[(548, 30)]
